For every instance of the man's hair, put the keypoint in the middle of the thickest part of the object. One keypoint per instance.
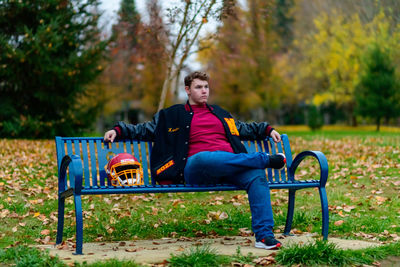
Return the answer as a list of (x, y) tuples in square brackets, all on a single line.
[(196, 75)]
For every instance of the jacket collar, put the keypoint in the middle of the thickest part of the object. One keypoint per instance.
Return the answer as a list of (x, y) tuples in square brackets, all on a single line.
[(188, 107)]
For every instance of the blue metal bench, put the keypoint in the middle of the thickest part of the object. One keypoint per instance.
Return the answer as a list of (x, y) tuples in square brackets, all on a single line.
[(80, 172)]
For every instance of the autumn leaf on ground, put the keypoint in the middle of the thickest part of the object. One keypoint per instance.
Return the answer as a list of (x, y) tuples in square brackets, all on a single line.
[(45, 232), (339, 223), (264, 261), (245, 232), (217, 215)]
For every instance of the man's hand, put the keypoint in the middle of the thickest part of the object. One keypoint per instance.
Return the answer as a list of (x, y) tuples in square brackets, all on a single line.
[(110, 135), (275, 136)]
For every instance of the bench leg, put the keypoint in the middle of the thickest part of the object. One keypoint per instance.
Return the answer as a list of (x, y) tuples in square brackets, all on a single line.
[(289, 217), (79, 224), (60, 222), (325, 212)]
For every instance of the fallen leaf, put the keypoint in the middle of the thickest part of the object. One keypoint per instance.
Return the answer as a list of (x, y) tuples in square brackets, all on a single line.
[(264, 261), (348, 208), (45, 232), (154, 211), (223, 216), (297, 231), (245, 232), (46, 240), (338, 223), (380, 199), (4, 213)]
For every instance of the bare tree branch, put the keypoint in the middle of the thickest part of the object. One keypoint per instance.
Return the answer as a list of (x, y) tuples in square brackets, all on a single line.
[(189, 29)]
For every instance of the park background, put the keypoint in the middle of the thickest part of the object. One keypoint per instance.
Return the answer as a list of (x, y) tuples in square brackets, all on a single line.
[(325, 72), (70, 68)]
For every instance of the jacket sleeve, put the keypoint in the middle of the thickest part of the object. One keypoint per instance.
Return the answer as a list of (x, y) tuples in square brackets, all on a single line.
[(141, 131), (253, 130)]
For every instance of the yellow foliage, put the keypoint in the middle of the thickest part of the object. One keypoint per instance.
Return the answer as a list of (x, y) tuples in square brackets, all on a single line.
[(333, 55), (206, 48), (326, 97)]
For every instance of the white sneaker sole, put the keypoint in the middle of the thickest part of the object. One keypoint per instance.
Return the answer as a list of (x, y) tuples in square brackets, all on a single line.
[(262, 245)]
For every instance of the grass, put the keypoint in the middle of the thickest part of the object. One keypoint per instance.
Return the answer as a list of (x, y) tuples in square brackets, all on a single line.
[(199, 256), (362, 189), (340, 130), (24, 256), (111, 263), (27, 256), (329, 254)]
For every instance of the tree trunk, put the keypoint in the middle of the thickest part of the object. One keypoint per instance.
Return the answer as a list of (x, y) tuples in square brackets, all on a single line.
[(354, 121), (165, 88), (176, 88), (378, 124)]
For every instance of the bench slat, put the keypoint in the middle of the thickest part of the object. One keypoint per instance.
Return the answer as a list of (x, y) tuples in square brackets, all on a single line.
[(136, 149), (143, 159), (93, 162), (267, 150), (252, 147), (246, 145), (273, 151), (102, 161), (77, 148), (150, 147), (85, 157), (128, 145), (259, 146), (283, 175), (70, 152), (288, 152)]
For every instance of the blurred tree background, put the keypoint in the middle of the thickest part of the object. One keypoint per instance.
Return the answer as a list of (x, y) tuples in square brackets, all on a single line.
[(49, 52), (285, 61), (376, 93)]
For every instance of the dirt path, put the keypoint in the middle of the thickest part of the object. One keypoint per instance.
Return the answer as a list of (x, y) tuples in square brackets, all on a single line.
[(156, 251)]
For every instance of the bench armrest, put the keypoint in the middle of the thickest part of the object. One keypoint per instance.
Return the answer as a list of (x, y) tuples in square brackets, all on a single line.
[(74, 163), (323, 163)]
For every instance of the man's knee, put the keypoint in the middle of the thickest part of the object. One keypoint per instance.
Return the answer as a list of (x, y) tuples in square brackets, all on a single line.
[(258, 181), (250, 178)]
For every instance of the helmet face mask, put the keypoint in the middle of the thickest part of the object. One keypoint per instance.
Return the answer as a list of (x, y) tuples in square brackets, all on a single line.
[(124, 170)]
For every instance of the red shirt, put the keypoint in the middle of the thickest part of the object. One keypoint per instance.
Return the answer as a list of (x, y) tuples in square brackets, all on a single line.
[(207, 132)]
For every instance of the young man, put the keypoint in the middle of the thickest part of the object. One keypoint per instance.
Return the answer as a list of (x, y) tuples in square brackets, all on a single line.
[(199, 143)]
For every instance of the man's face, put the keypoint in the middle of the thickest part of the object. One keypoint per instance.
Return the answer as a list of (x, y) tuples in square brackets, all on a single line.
[(198, 92)]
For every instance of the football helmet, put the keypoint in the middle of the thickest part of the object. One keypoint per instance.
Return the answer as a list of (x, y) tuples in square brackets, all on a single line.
[(124, 170)]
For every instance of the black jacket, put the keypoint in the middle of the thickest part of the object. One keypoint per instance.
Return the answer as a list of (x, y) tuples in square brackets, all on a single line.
[(170, 129)]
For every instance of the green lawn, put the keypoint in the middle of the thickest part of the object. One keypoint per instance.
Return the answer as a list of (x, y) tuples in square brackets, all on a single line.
[(363, 192)]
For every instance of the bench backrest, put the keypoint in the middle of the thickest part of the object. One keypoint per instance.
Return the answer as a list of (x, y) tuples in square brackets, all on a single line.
[(95, 154)]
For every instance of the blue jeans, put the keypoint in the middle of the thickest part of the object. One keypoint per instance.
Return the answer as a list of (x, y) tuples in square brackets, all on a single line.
[(244, 170)]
